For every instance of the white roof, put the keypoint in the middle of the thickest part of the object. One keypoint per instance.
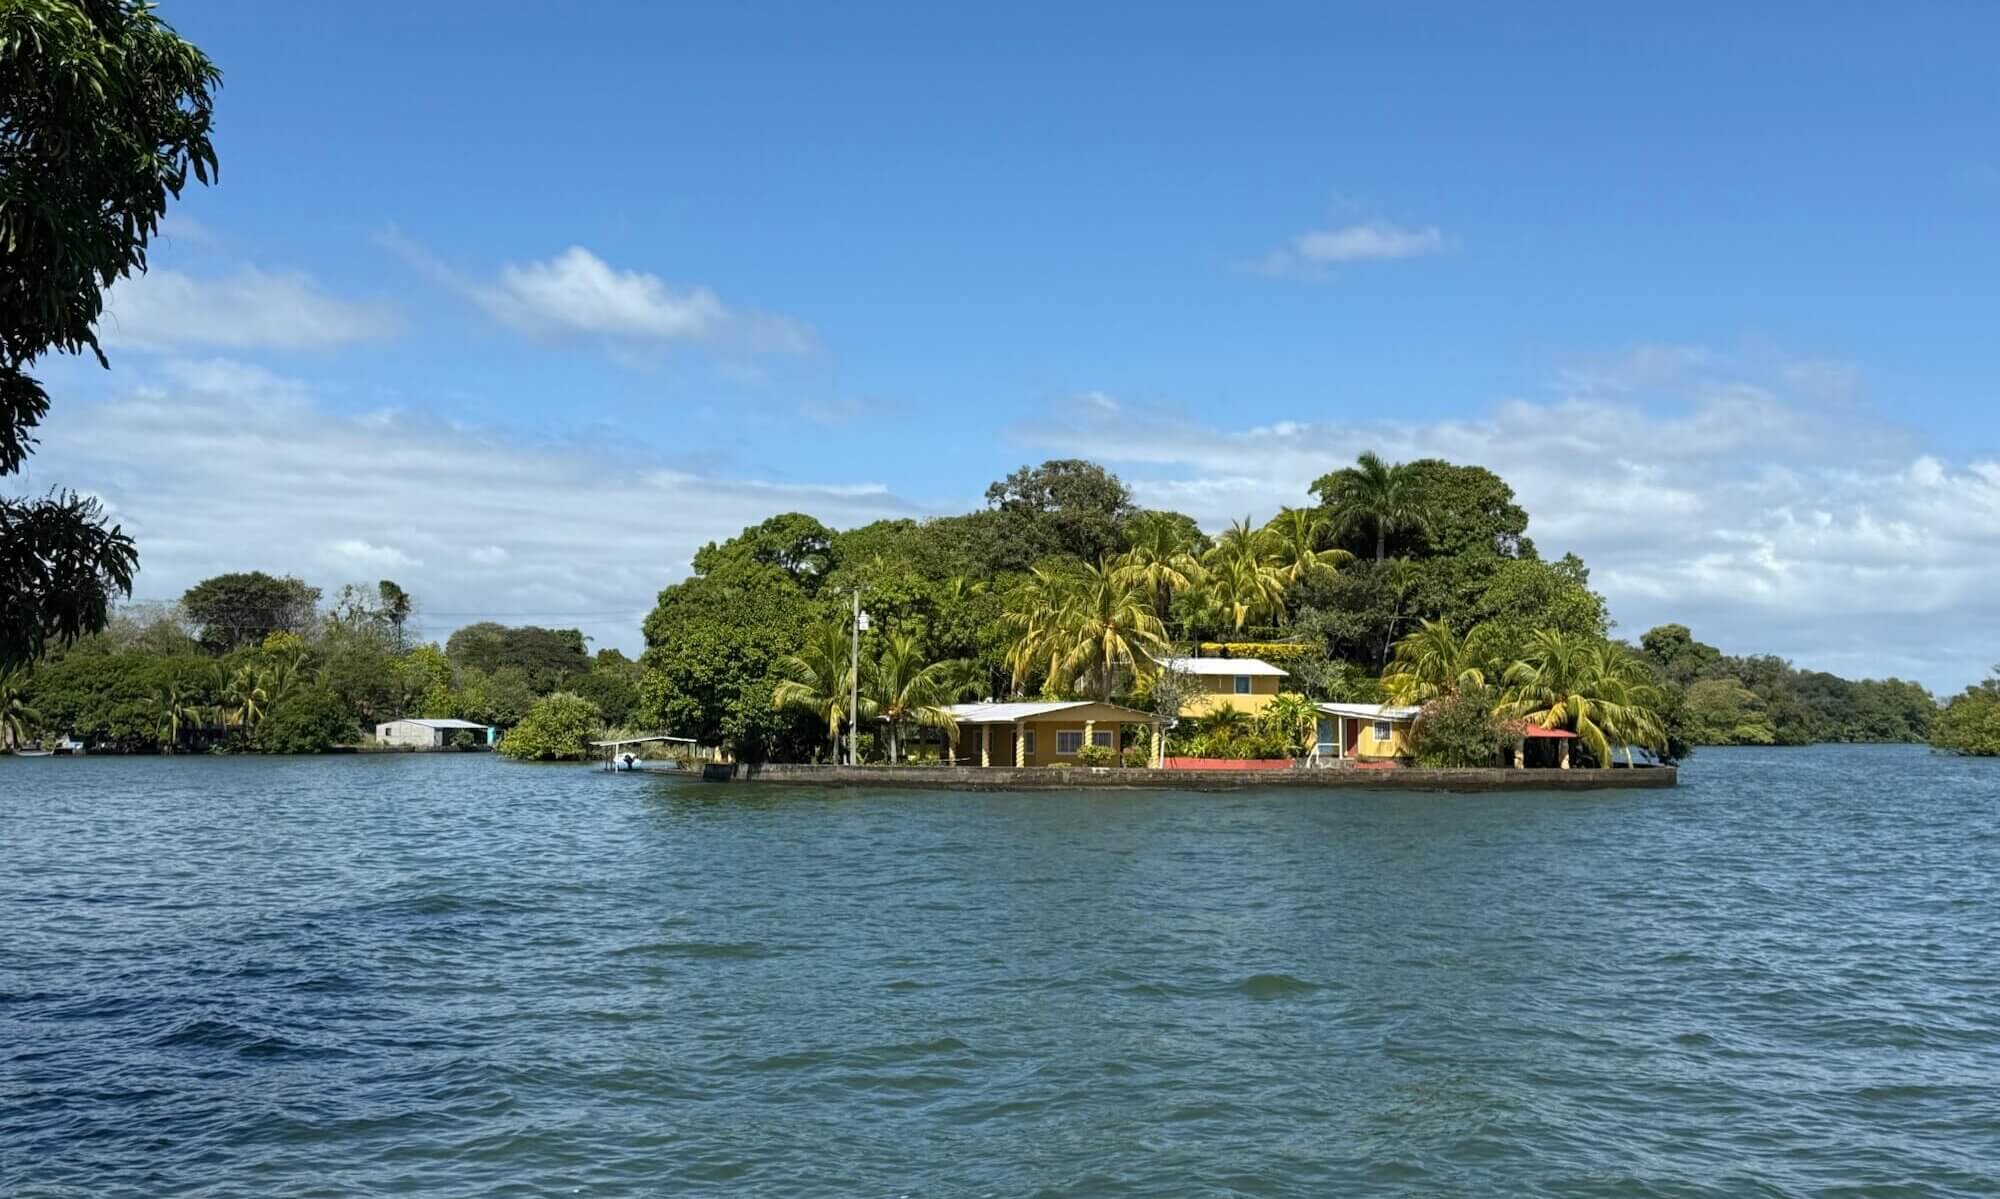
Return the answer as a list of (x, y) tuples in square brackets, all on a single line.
[(991, 713), (1369, 711), (1221, 666), (439, 724)]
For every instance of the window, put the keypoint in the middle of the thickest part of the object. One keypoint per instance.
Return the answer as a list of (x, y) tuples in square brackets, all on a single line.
[(1384, 731), (1101, 737), (1068, 741), (1242, 684)]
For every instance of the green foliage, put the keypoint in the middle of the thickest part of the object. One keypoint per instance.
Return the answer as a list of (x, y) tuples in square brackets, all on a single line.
[(1603, 693), (59, 568), (614, 691), (1970, 723), (1293, 719), (1085, 628), (1785, 705), (310, 721), (1096, 755), (1725, 712), (1460, 729), (546, 656), (711, 644), (794, 544), (1228, 732), (559, 726), (1377, 499), (819, 682), (1065, 507), (18, 718), (103, 114), (235, 610)]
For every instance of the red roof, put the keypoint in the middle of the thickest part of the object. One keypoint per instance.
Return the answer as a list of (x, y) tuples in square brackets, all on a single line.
[(1535, 730)]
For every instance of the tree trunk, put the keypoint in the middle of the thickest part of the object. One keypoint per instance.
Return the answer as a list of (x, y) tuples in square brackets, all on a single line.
[(1381, 542)]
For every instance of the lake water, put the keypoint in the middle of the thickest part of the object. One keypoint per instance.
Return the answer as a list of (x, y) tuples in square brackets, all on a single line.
[(452, 976)]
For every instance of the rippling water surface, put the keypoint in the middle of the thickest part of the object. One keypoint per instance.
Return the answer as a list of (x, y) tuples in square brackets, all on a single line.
[(452, 976)]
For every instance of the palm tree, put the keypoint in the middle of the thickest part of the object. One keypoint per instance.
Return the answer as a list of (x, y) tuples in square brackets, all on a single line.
[(16, 717), (246, 699), (175, 710), (1240, 588), (818, 679), (905, 690), (1372, 494), (1292, 541), (1087, 627), (1597, 690), (1433, 662), (1294, 716), (1161, 559)]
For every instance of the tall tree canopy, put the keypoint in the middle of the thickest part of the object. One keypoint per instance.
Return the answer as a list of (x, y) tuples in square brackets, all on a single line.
[(546, 656), (243, 608), (1065, 506), (104, 113)]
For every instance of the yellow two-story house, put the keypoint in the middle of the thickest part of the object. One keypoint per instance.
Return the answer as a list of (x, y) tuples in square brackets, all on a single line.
[(1246, 684)]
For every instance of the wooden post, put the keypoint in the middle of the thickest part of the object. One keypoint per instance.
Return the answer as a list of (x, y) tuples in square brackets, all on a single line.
[(1020, 744), (1521, 754), (986, 745), (1565, 753)]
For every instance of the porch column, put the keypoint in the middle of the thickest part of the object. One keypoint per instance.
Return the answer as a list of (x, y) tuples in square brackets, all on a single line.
[(985, 745), (1090, 732), (1565, 753), (1020, 744), (1521, 754), (1159, 745)]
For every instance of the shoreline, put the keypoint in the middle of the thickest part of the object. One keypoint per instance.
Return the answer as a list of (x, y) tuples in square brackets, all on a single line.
[(1074, 778)]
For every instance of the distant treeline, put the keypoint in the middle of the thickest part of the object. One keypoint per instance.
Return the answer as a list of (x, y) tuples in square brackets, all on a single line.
[(1765, 700), (251, 662)]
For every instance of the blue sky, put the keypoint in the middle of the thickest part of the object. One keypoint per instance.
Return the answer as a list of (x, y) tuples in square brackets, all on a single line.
[(1711, 286)]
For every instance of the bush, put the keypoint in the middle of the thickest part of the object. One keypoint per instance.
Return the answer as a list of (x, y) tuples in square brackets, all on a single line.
[(1096, 755), (1461, 730), (1136, 757), (310, 722), (1970, 723), (558, 726)]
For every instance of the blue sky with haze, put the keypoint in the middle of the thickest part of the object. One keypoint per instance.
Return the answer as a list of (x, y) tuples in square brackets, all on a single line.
[(1711, 286)]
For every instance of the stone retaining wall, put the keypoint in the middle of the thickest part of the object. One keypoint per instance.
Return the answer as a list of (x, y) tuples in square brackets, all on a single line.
[(1070, 778)]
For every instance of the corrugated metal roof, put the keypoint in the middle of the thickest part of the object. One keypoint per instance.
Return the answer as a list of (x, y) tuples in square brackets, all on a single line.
[(438, 724), (1370, 711), (1221, 666), (1028, 710)]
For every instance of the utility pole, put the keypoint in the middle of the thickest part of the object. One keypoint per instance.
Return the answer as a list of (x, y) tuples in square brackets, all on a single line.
[(854, 688)]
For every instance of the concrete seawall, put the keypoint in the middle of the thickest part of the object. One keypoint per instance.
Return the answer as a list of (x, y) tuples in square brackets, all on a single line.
[(1071, 778)]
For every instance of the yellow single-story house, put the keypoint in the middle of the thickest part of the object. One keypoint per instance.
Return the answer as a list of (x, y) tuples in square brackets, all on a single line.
[(1364, 732), (1246, 684), (1043, 732)]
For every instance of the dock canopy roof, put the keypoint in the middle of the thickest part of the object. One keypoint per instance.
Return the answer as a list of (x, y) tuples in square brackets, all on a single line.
[(1370, 711), (1221, 666), (643, 740), (995, 713), (1536, 730)]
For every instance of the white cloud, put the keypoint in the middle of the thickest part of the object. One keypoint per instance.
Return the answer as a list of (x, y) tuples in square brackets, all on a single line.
[(1369, 241), (1736, 505), (248, 309), (217, 466), (578, 294)]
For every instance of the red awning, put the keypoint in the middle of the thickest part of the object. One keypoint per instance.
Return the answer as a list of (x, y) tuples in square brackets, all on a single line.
[(1535, 730)]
